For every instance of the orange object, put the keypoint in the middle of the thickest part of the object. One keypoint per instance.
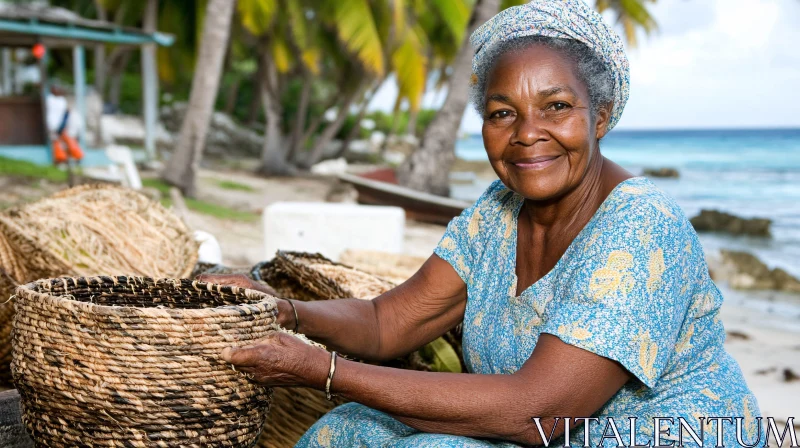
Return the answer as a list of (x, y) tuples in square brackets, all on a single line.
[(59, 155), (38, 51), (73, 147)]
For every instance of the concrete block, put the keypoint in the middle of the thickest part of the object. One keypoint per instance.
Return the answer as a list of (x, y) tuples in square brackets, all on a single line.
[(330, 228)]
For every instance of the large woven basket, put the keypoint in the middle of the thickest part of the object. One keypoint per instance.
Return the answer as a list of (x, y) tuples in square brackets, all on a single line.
[(134, 362), (310, 277), (87, 231)]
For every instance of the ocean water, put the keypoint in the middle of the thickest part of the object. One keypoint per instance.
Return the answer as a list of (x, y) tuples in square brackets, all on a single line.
[(750, 173)]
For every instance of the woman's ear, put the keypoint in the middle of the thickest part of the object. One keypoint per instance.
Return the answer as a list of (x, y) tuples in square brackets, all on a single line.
[(602, 118)]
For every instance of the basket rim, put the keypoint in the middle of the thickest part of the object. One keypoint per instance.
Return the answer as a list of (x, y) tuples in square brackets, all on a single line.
[(259, 302)]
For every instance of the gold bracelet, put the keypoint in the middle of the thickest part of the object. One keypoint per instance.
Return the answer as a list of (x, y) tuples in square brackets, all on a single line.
[(296, 319), (328, 394)]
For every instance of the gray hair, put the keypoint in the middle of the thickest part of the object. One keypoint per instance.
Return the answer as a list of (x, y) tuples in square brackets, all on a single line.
[(591, 69)]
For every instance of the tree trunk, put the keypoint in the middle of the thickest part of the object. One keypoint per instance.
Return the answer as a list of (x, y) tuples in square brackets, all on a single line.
[(411, 129), (428, 168), (299, 125), (256, 101), (232, 96), (318, 150), (273, 154), (181, 171)]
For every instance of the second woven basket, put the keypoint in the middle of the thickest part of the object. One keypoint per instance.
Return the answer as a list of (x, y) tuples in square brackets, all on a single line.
[(134, 362), (310, 277)]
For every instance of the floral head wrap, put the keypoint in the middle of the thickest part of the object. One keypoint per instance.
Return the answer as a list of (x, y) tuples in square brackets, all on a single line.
[(567, 19)]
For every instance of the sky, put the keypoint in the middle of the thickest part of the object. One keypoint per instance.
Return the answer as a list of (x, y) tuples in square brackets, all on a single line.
[(710, 64)]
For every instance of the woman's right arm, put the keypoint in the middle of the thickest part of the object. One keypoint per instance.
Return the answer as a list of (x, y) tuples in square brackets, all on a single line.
[(396, 323)]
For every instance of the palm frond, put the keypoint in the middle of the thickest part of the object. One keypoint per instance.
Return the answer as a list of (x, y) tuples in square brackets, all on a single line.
[(356, 29), (257, 15), (411, 66), (455, 15), (504, 4), (631, 15), (281, 54)]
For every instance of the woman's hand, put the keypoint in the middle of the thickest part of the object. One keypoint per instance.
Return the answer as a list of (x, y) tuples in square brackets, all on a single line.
[(285, 311), (281, 359)]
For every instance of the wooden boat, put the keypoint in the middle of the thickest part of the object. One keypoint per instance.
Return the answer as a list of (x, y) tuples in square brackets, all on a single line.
[(419, 206)]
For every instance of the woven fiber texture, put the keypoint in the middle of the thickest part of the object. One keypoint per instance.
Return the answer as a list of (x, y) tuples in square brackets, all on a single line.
[(307, 276), (396, 268), (87, 231), (134, 362), (311, 277)]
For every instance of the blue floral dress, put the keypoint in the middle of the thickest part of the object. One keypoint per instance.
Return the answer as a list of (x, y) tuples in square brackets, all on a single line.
[(633, 287)]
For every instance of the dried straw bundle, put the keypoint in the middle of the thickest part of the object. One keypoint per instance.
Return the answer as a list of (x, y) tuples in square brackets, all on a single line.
[(396, 268), (99, 230), (88, 231), (314, 277), (133, 362), (311, 277)]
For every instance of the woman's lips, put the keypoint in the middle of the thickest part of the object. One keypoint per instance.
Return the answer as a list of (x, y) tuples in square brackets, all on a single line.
[(535, 163)]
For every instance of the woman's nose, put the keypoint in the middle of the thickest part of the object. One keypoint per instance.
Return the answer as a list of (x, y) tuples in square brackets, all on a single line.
[(529, 128)]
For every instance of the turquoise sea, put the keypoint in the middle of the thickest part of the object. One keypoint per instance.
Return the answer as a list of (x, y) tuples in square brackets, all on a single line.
[(750, 173)]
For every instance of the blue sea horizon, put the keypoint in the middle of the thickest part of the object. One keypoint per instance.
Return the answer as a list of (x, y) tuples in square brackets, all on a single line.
[(747, 172)]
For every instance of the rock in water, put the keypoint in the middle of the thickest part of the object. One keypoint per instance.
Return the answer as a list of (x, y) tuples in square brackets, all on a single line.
[(716, 221), (746, 271), (662, 172)]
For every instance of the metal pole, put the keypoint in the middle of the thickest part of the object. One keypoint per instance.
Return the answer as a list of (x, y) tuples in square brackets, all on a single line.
[(79, 61), (150, 99), (44, 90)]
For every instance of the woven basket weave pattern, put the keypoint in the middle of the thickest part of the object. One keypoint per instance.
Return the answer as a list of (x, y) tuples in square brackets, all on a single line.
[(311, 277), (87, 231), (133, 361)]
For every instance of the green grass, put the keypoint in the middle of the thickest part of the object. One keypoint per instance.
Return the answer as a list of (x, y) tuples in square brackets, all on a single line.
[(20, 168), (200, 206), (231, 185)]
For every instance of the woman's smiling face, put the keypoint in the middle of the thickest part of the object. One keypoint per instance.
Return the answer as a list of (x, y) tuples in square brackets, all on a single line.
[(539, 130)]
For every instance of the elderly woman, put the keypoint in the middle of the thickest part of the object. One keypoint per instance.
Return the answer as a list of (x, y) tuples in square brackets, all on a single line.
[(583, 290)]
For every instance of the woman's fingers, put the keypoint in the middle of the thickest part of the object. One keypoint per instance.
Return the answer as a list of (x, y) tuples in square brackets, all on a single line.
[(243, 356)]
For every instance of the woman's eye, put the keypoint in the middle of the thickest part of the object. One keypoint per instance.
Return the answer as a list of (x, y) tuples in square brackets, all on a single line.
[(500, 114), (559, 106)]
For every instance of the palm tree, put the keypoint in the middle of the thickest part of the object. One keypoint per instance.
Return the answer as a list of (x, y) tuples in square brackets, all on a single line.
[(182, 167), (631, 15), (443, 23), (304, 39), (428, 168)]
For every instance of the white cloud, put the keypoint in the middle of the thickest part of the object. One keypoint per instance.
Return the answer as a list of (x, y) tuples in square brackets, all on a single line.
[(711, 64), (738, 68)]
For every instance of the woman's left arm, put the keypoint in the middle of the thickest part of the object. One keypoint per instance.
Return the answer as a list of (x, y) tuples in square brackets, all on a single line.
[(559, 380)]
